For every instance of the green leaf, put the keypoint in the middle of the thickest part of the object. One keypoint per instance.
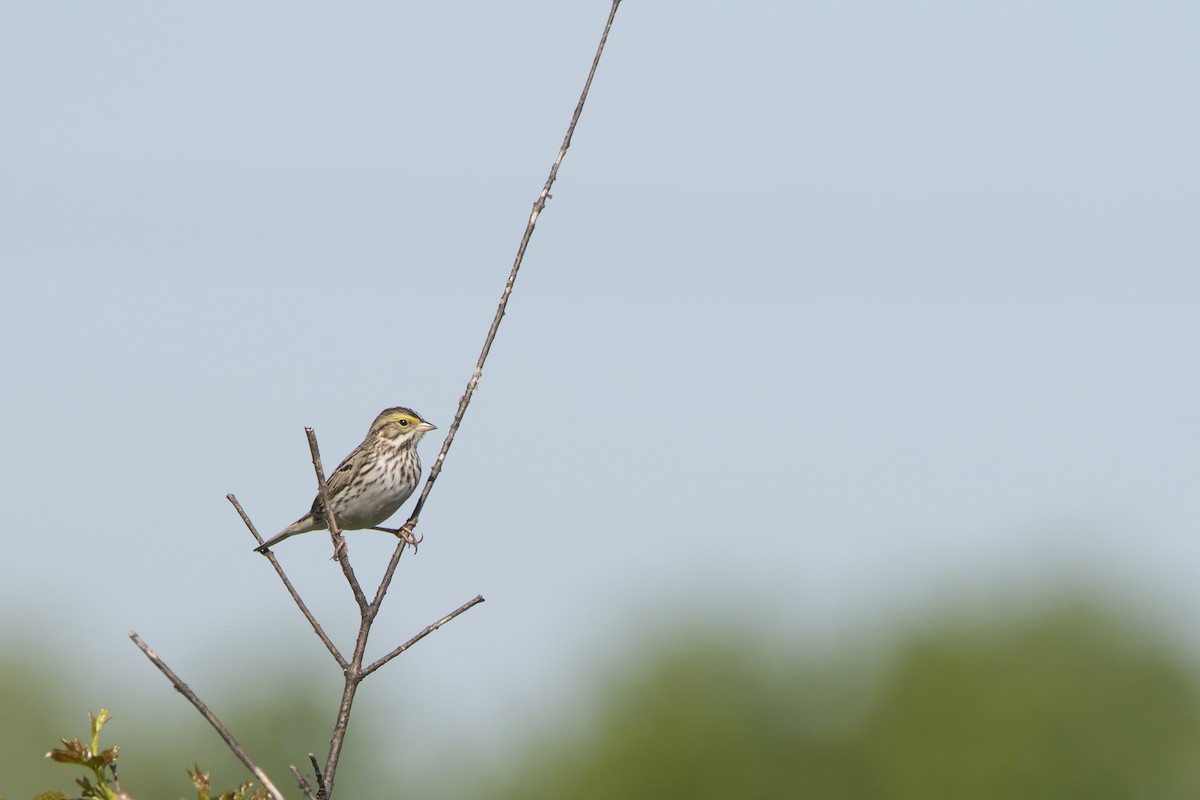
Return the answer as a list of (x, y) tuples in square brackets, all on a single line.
[(97, 721)]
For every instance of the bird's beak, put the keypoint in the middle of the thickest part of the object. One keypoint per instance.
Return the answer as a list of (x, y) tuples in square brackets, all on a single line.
[(426, 426)]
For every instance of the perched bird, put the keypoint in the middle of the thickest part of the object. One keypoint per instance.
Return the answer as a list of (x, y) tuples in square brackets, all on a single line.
[(373, 481)]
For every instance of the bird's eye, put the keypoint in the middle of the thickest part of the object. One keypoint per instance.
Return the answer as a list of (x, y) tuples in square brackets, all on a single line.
[(404, 422)]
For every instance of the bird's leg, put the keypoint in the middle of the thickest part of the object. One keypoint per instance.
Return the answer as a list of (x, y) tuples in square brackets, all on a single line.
[(339, 549), (405, 533)]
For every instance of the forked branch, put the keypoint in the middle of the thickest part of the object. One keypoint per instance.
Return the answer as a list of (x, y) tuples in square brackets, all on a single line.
[(352, 668), (316, 626)]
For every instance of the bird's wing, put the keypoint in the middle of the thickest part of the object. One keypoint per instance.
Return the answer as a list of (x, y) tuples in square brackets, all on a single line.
[(338, 481)]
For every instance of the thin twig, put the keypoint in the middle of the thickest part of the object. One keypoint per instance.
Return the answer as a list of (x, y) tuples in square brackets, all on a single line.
[(428, 630), (316, 626), (387, 576), (224, 733), (351, 671), (339, 542), (302, 783), (321, 790), (538, 206)]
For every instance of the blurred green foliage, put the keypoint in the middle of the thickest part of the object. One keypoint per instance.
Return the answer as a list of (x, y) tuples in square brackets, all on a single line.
[(1063, 702), (1066, 703), (161, 737)]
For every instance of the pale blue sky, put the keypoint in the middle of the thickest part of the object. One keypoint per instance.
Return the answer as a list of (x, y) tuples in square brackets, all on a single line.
[(836, 309)]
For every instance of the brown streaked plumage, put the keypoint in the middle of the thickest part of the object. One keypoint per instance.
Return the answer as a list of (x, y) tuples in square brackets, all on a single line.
[(373, 481)]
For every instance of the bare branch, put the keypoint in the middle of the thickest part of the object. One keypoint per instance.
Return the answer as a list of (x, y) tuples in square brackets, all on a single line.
[(387, 576), (339, 542), (428, 630), (338, 736), (316, 626), (538, 206), (224, 733), (245, 517), (322, 792), (302, 783)]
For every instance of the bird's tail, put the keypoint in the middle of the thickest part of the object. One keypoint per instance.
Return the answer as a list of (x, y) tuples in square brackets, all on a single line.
[(302, 525)]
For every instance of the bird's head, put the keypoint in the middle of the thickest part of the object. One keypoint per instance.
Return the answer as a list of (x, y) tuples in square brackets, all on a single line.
[(401, 423)]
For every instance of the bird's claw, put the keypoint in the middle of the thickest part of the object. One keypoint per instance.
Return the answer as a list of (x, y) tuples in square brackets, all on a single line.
[(411, 539), (339, 549), (405, 534)]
